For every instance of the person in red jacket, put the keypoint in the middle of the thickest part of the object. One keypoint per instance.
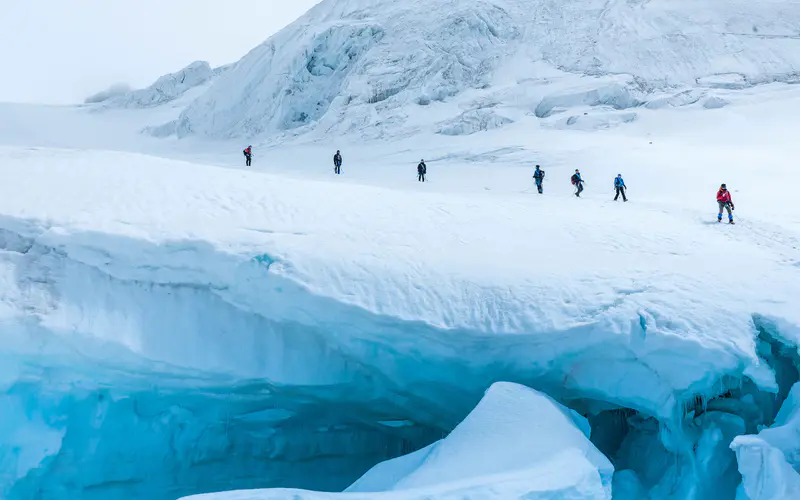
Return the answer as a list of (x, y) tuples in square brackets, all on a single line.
[(248, 155), (725, 202)]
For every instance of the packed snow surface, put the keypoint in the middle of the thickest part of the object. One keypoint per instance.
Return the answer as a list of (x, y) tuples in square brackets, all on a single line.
[(517, 443)]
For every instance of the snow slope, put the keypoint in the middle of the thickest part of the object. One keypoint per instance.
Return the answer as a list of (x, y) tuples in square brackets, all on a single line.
[(516, 443), (375, 67)]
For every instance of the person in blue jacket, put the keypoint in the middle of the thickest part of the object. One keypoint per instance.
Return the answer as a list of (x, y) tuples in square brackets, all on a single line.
[(577, 181), (538, 177), (620, 187)]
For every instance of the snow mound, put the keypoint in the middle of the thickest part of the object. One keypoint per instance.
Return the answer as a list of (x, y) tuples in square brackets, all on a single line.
[(350, 65), (167, 88), (473, 121), (770, 461), (516, 444), (715, 102), (512, 428)]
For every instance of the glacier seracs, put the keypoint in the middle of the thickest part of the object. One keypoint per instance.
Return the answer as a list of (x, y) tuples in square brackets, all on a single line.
[(371, 67)]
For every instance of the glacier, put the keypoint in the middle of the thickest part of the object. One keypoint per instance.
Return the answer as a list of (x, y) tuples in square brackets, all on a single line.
[(202, 318), (376, 69), (172, 324)]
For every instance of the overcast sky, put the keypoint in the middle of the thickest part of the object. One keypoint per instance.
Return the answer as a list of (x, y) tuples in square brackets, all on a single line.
[(60, 51)]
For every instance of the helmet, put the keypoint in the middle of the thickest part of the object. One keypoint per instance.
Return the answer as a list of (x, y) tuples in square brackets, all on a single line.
[(619, 175), (576, 170), (723, 186)]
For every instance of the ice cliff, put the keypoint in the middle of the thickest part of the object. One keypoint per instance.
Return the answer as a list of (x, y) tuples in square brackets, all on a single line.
[(376, 67), (164, 337)]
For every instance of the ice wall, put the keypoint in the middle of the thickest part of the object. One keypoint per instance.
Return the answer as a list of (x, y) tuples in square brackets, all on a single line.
[(145, 315), (770, 461), (100, 432)]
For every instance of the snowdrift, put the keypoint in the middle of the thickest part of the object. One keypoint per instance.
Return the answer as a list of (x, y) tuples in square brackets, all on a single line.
[(516, 443), (353, 65)]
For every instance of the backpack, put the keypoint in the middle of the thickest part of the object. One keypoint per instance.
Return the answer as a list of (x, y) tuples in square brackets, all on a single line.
[(574, 179)]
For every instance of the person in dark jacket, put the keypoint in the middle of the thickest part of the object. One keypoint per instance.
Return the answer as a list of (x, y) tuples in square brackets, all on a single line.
[(725, 202), (620, 187), (538, 177), (337, 162), (577, 181), (422, 169), (248, 155)]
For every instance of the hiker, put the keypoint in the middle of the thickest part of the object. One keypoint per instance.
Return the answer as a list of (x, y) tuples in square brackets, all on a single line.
[(422, 169), (725, 202), (248, 155), (538, 177), (577, 181), (620, 187), (337, 162)]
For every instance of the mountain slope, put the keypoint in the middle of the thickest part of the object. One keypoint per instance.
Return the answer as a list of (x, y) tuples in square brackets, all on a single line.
[(351, 64)]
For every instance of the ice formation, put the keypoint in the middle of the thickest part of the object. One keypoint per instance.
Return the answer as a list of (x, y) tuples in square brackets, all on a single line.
[(167, 88), (278, 342), (516, 444), (356, 65), (169, 327), (769, 461)]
